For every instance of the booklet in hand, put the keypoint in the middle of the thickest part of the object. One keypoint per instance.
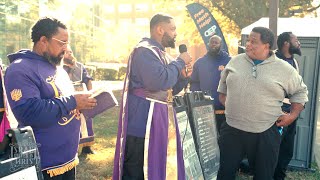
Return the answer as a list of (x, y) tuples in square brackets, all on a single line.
[(105, 100)]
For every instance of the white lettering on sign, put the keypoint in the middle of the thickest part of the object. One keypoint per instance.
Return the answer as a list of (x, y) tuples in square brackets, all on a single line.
[(210, 31)]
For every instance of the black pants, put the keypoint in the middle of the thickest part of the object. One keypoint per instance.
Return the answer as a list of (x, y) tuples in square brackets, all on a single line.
[(220, 119), (69, 175), (133, 159), (286, 151), (261, 149)]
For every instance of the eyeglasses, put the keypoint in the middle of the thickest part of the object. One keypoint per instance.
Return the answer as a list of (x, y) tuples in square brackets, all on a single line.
[(62, 43), (68, 52), (254, 71)]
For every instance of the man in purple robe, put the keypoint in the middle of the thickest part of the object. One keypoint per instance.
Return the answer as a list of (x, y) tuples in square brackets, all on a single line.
[(38, 101), (148, 144), (81, 81)]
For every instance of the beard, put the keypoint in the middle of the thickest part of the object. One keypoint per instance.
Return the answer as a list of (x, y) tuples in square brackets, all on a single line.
[(294, 50), (214, 51), (53, 60), (168, 41), (68, 61)]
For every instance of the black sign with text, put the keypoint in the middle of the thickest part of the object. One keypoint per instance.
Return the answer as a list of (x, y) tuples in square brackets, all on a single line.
[(190, 156), (20, 158), (203, 126)]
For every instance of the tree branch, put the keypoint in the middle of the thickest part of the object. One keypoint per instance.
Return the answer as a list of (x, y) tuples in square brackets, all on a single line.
[(224, 12), (313, 8)]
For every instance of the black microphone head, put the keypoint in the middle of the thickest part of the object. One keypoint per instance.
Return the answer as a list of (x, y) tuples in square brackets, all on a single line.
[(183, 48)]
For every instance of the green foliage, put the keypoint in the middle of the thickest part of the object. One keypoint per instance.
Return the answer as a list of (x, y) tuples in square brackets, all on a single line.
[(233, 15), (230, 29), (15, 23), (106, 74), (245, 12), (122, 73), (110, 74), (95, 36)]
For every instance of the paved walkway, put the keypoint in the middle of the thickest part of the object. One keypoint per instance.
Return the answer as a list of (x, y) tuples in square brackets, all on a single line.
[(113, 85)]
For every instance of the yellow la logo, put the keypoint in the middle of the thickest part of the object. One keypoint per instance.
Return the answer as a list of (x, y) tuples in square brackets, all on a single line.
[(221, 68), (16, 94)]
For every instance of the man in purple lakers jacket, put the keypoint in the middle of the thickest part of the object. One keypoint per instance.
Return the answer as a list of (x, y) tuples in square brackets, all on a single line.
[(148, 144), (37, 101), (206, 75)]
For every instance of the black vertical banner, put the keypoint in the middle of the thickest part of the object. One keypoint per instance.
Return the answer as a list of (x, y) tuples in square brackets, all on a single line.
[(206, 24)]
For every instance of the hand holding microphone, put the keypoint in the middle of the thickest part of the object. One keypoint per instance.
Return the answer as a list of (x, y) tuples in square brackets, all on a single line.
[(185, 56), (183, 48)]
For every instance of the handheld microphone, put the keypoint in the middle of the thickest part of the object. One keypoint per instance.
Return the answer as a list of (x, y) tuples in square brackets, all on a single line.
[(183, 48)]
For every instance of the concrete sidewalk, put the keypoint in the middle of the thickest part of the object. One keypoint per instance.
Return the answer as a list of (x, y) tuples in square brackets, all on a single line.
[(113, 85)]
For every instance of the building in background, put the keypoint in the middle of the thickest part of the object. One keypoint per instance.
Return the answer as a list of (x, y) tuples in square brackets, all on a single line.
[(16, 18), (100, 30)]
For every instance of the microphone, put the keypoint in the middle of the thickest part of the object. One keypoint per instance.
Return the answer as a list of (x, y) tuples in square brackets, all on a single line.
[(183, 48)]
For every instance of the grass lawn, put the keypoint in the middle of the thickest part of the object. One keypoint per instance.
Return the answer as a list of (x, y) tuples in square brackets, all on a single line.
[(99, 166)]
